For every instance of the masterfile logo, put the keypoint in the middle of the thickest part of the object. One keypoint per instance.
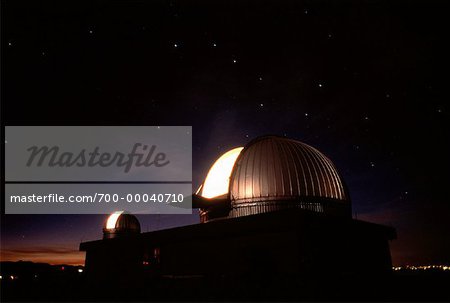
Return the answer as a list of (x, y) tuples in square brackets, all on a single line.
[(52, 156), (100, 153)]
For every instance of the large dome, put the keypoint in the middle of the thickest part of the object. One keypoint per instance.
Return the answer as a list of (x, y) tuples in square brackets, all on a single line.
[(272, 173), (273, 170)]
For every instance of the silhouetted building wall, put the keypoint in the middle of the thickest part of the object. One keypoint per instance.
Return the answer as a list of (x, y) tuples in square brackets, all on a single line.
[(291, 242)]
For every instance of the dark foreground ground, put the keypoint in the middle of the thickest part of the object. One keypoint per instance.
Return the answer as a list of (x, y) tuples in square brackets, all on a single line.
[(73, 286)]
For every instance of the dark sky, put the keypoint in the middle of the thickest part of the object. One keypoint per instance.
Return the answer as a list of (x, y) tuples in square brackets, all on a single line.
[(365, 82)]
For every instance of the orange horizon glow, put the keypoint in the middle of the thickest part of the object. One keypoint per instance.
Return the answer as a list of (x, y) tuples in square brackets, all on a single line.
[(50, 255)]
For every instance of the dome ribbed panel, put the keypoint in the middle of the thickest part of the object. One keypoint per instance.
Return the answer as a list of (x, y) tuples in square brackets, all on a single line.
[(274, 168), (128, 222)]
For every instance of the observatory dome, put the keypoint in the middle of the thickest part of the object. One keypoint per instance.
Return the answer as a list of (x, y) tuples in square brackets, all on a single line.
[(121, 224), (272, 173)]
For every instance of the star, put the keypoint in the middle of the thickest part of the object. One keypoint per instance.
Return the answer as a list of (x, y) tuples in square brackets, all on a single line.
[(320, 85), (43, 53), (261, 105), (234, 61), (91, 31), (366, 118), (372, 164), (306, 114), (214, 44), (439, 110), (306, 12), (9, 43), (175, 45), (329, 35), (260, 78)]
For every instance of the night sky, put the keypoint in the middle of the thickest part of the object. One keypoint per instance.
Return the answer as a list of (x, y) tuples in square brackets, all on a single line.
[(365, 82)]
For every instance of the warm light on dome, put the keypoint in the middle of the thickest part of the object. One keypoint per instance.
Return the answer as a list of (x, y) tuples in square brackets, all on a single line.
[(199, 189), (112, 220), (218, 178)]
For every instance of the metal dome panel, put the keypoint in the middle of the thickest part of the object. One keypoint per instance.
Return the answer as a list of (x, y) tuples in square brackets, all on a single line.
[(280, 169)]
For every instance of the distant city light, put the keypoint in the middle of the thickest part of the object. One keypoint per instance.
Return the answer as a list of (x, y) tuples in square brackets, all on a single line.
[(80, 270), (421, 267)]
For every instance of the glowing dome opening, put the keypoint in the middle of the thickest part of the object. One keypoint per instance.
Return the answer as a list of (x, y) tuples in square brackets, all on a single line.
[(218, 179), (112, 220), (199, 189)]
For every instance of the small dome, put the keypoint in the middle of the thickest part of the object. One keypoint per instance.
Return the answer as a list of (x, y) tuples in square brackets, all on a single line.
[(119, 224)]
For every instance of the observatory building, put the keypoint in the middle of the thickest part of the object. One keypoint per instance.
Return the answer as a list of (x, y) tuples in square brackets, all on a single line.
[(275, 207)]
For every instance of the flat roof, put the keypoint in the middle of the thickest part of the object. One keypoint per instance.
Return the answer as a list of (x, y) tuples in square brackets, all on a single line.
[(278, 221)]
